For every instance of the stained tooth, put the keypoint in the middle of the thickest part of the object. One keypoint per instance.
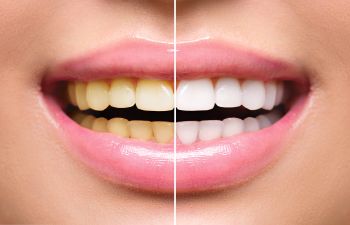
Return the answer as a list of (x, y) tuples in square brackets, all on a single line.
[(100, 124), (163, 131), (263, 121), (232, 126), (119, 127), (251, 124), (195, 95), (122, 93), (80, 95), (141, 130), (210, 130), (71, 93), (78, 117), (253, 94), (279, 94), (87, 121), (228, 92), (187, 131), (154, 95), (97, 95), (271, 92)]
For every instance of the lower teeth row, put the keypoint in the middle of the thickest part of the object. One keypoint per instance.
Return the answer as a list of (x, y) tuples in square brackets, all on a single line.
[(188, 132)]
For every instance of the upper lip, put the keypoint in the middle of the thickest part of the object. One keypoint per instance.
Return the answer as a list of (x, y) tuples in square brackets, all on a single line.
[(200, 167)]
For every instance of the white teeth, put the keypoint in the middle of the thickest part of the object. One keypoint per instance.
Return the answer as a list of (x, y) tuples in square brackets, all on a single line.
[(209, 130), (232, 126), (279, 94), (273, 116), (253, 94), (228, 92), (187, 131), (271, 92), (195, 95), (263, 121), (251, 124), (154, 95)]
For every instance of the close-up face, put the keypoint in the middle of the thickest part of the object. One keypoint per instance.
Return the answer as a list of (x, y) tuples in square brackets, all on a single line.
[(150, 112)]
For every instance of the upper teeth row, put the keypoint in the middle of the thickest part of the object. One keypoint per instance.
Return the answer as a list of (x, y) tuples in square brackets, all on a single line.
[(192, 95)]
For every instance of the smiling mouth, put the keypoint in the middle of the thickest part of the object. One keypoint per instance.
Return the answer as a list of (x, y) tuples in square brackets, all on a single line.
[(233, 111)]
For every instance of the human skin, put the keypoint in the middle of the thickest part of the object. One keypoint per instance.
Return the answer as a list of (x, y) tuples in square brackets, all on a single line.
[(309, 183), (40, 182)]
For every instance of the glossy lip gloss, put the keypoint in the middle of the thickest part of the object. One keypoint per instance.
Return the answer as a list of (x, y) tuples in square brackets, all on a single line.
[(200, 166)]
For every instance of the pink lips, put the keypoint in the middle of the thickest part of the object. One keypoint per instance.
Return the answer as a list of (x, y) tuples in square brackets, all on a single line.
[(150, 166)]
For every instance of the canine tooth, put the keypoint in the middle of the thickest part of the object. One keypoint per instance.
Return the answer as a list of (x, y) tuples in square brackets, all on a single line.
[(80, 95), (154, 95), (87, 121), (71, 93), (119, 127), (279, 94), (163, 131), (210, 130), (97, 95), (187, 131), (122, 93), (141, 130), (253, 94), (195, 95), (251, 124), (263, 121), (270, 98), (228, 92), (232, 126), (100, 124)]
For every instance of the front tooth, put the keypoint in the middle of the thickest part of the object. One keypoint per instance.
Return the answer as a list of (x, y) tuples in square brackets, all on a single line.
[(154, 95), (187, 131), (251, 124), (71, 93), (263, 121), (270, 98), (279, 94), (253, 94), (232, 126), (100, 124), (122, 93), (163, 131), (228, 93), (119, 127), (97, 95), (195, 95), (141, 130), (210, 130), (80, 95), (87, 121)]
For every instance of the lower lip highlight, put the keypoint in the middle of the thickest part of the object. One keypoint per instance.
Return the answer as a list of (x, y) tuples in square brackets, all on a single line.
[(200, 167)]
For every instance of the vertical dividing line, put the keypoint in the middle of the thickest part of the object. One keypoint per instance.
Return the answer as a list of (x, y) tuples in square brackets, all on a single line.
[(175, 52)]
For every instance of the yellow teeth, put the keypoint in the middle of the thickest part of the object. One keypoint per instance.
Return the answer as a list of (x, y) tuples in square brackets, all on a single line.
[(154, 95), (147, 94), (160, 132)]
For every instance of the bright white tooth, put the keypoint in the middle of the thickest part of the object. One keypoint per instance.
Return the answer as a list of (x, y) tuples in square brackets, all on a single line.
[(187, 131), (271, 92), (232, 126), (210, 130), (251, 124), (97, 95), (273, 116), (263, 121), (279, 94), (228, 92), (100, 124), (253, 92), (80, 95), (122, 93), (195, 95), (154, 95)]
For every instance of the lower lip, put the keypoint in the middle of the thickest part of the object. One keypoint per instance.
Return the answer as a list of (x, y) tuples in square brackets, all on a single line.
[(199, 167)]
